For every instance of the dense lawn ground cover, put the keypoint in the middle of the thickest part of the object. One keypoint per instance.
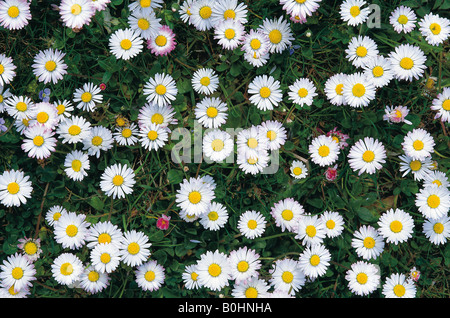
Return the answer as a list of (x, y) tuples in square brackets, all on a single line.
[(316, 51)]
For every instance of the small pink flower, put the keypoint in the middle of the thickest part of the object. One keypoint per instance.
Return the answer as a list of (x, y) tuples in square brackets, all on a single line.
[(298, 18), (414, 274), (396, 114), (102, 86), (339, 137), (163, 222), (331, 173)]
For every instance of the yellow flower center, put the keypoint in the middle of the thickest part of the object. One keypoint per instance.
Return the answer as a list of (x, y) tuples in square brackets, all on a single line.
[(361, 51), (30, 248), (143, 24), (358, 90), (302, 92), (252, 224), (126, 132), (297, 171), (160, 89), (76, 165), (21, 106), (311, 231), (194, 276), (157, 119), (66, 269), (50, 66), (13, 12), (335, 139), (205, 81), (71, 230), (435, 28), (275, 36), (161, 40), (11, 291), (86, 97), (355, 11), (446, 104), (13, 187), (368, 156), (217, 144), (399, 290), (406, 63), (251, 292), (433, 201), (287, 277), (213, 216), (271, 135), (150, 276), (402, 19), (439, 183), (212, 112), (255, 44), (330, 224), (369, 242), (74, 130), (205, 12), (415, 165), (339, 88), (152, 135), (242, 266), (252, 143), (229, 14), (2, 69), (61, 109), (264, 92), (230, 34), (300, 1), (396, 226), (17, 273), (145, 3), (252, 161), (133, 248), (104, 238), (75, 9), (97, 141), (324, 151), (105, 258), (93, 276), (38, 141), (377, 71), (125, 44), (56, 216), (194, 197), (314, 260), (214, 270), (287, 215), (117, 180), (362, 278), (418, 145)]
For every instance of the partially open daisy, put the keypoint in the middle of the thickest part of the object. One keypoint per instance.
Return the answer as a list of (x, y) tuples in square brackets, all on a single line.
[(324, 150), (403, 19), (205, 81), (105, 257), (353, 13), (150, 276), (358, 90), (279, 33), (433, 201), (53, 214), (252, 162), (436, 177), (298, 169), (64, 109), (256, 60), (67, 268), (302, 92), (287, 275), (93, 281), (310, 229), (301, 8), (125, 43), (31, 248), (87, 97), (153, 136), (265, 92), (215, 217), (396, 114), (117, 180), (367, 156), (314, 260), (418, 144), (76, 164), (143, 24), (229, 34), (201, 14), (126, 136), (363, 278), (15, 188), (441, 104), (7, 68), (74, 129), (252, 224), (152, 113), (213, 270), (135, 248), (144, 6), (275, 132), (253, 287), (256, 43), (437, 230), (287, 213), (367, 242), (17, 271), (211, 112), (45, 115), (398, 286), (396, 226), (217, 145), (71, 230), (14, 14), (361, 50), (244, 263), (408, 62), (49, 66), (99, 139), (162, 42), (434, 28), (76, 13), (379, 71), (334, 89), (194, 196), (224, 10), (190, 277), (39, 142), (19, 107), (334, 223), (185, 11), (160, 89)]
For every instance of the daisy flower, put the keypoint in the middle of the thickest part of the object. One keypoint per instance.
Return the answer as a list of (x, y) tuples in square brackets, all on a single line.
[(39, 142), (162, 42), (211, 112), (408, 62), (190, 277), (145, 25), (418, 144), (126, 136), (135, 248), (286, 213), (419, 168), (87, 97), (367, 155), (224, 10), (314, 261), (215, 217), (205, 81), (100, 5), (14, 14), (302, 92), (31, 248), (185, 11), (339, 137), (324, 150), (213, 270), (252, 163), (229, 33), (63, 109), (67, 268), (437, 230), (105, 258), (367, 242), (125, 43), (93, 281), (76, 163), (49, 66), (7, 68), (71, 230), (15, 188), (256, 60), (4, 94), (256, 43), (244, 264), (275, 132), (251, 224), (17, 271), (403, 19), (254, 287), (398, 286), (298, 169), (279, 33), (434, 28), (334, 89), (53, 215), (396, 226), (351, 11), (145, 6), (76, 13), (44, 115), (334, 223), (201, 14), (19, 107), (436, 177), (252, 142), (265, 92), (396, 114), (363, 278), (194, 196), (378, 70), (153, 136), (441, 104), (303, 8), (99, 139), (358, 90), (287, 275), (414, 274), (152, 113), (117, 180), (75, 129), (161, 89), (217, 145), (150, 276), (433, 201), (6, 292), (310, 230), (361, 50), (104, 232)]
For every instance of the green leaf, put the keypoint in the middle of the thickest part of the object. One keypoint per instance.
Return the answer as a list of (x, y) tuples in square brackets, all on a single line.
[(96, 203)]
